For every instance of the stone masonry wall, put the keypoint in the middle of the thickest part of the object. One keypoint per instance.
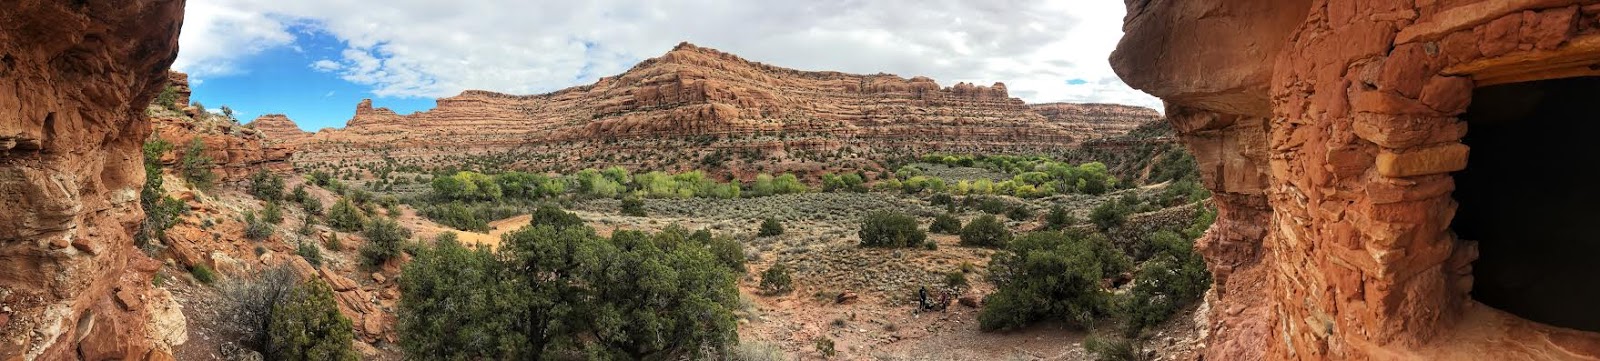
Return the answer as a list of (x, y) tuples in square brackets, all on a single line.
[(1333, 241)]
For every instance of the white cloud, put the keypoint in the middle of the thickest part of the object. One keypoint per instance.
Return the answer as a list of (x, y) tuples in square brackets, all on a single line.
[(325, 65), (217, 35), (431, 48)]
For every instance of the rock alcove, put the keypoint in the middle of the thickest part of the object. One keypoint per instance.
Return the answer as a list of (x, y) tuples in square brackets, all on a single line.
[(1529, 197)]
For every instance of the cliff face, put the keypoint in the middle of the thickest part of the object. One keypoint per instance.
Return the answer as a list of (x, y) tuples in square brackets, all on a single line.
[(712, 100), (235, 150), (1096, 120), (1328, 131), (74, 81), (277, 128)]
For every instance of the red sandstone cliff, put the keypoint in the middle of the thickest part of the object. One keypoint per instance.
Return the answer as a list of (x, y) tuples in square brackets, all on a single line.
[(277, 128), (74, 81), (235, 150), (667, 104)]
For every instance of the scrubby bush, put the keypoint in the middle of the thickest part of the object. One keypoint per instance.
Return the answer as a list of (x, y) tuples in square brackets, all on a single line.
[(256, 228), (266, 186), (945, 224), (248, 303), (385, 239), (1019, 213), (1049, 275), (161, 212), (985, 231), (825, 347), (553, 293), (549, 215), (633, 207), (770, 227), (272, 213), (1059, 218), (306, 325), (1108, 215), (345, 216), (890, 229), (312, 205), (299, 194), (308, 225), (1173, 278), (310, 252), (203, 274), (955, 279), (1110, 348), (852, 182), (777, 280), (195, 166)]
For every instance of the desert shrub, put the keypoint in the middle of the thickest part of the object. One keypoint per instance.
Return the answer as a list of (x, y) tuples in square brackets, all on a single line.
[(890, 229), (825, 347), (770, 227), (321, 178), (1173, 278), (766, 185), (312, 205), (161, 212), (633, 207), (727, 250), (1019, 213), (945, 224), (777, 279), (757, 351), (1108, 215), (308, 225), (266, 186), (942, 199), (248, 301), (1182, 191), (256, 228), (333, 243), (203, 274), (385, 239), (195, 166), (990, 205), (985, 231), (168, 98), (299, 194), (310, 252), (306, 325), (566, 293), (1110, 348), (345, 216), (1059, 218), (1047, 275), (272, 213), (458, 215), (955, 279), (847, 182), (550, 215)]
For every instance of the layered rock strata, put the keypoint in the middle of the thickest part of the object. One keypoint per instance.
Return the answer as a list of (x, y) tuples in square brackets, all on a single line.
[(1328, 131), (75, 77), (277, 128), (712, 101)]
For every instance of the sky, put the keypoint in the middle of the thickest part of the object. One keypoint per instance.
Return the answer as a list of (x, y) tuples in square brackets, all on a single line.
[(314, 60)]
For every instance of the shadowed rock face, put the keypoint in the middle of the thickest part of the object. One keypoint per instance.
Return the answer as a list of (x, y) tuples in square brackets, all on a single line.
[(75, 77), (1329, 131), (693, 93)]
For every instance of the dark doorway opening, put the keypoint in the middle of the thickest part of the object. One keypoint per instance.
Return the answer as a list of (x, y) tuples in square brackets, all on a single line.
[(1531, 198)]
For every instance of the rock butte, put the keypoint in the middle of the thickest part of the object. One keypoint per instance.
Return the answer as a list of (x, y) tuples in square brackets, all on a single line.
[(1328, 131), (74, 81), (693, 93)]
